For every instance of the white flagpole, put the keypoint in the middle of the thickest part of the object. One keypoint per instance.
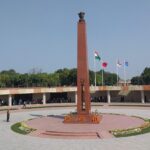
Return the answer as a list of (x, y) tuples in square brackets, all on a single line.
[(125, 73), (102, 73), (126, 76), (117, 72), (95, 68), (102, 76)]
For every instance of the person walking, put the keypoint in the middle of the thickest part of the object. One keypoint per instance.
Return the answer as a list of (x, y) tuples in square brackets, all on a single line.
[(24, 104)]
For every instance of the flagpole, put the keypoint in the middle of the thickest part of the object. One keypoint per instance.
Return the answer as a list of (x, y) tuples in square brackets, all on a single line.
[(117, 72), (95, 70), (102, 77), (125, 73)]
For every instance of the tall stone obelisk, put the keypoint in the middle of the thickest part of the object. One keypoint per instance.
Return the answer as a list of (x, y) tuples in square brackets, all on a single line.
[(83, 114), (83, 92)]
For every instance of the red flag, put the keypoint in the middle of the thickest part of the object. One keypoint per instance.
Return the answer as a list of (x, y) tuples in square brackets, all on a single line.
[(104, 64)]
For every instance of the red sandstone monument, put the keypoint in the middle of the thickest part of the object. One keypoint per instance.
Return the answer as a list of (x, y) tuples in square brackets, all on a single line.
[(83, 123), (84, 114)]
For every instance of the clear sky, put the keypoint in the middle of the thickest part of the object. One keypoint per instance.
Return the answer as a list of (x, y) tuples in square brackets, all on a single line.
[(43, 33)]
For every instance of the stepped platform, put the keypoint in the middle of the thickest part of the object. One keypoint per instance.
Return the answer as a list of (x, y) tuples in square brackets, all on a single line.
[(53, 127), (85, 135)]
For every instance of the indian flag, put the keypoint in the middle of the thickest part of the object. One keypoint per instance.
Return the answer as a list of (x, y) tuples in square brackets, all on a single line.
[(96, 55)]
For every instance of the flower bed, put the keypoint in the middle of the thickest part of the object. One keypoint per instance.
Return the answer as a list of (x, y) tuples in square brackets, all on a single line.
[(21, 128), (145, 128)]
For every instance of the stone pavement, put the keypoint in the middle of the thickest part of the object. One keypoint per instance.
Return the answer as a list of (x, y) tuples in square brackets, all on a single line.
[(10, 140), (53, 126)]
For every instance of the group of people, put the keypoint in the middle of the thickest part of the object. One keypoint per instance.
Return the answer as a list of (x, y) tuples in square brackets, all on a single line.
[(60, 100), (99, 99)]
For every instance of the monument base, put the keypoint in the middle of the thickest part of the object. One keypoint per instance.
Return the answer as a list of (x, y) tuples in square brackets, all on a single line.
[(83, 118)]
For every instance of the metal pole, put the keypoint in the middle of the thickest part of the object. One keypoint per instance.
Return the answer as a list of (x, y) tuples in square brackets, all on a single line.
[(124, 73), (117, 72), (102, 77), (95, 70)]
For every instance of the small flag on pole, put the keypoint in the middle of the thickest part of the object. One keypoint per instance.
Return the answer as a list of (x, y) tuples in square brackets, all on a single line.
[(104, 64), (119, 64), (96, 55), (126, 63)]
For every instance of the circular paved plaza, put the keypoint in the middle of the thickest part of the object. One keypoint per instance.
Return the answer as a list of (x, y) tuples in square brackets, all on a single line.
[(10, 140), (53, 126)]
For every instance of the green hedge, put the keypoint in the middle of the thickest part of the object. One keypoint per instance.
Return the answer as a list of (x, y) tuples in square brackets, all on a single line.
[(133, 131), (21, 128)]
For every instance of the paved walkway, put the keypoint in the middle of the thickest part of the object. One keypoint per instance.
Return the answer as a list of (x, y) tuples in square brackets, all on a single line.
[(13, 141)]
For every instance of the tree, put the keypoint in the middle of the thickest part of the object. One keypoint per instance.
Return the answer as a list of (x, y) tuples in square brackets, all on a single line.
[(63, 76), (8, 78), (91, 77), (137, 80), (10, 72), (23, 80), (53, 80), (109, 78), (144, 78), (72, 77)]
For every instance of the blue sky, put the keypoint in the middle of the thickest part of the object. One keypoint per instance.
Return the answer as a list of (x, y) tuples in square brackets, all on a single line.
[(43, 33)]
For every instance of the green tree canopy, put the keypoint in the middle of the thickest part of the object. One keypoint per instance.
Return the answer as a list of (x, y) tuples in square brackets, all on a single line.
[(61, 77), (144, 78)]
